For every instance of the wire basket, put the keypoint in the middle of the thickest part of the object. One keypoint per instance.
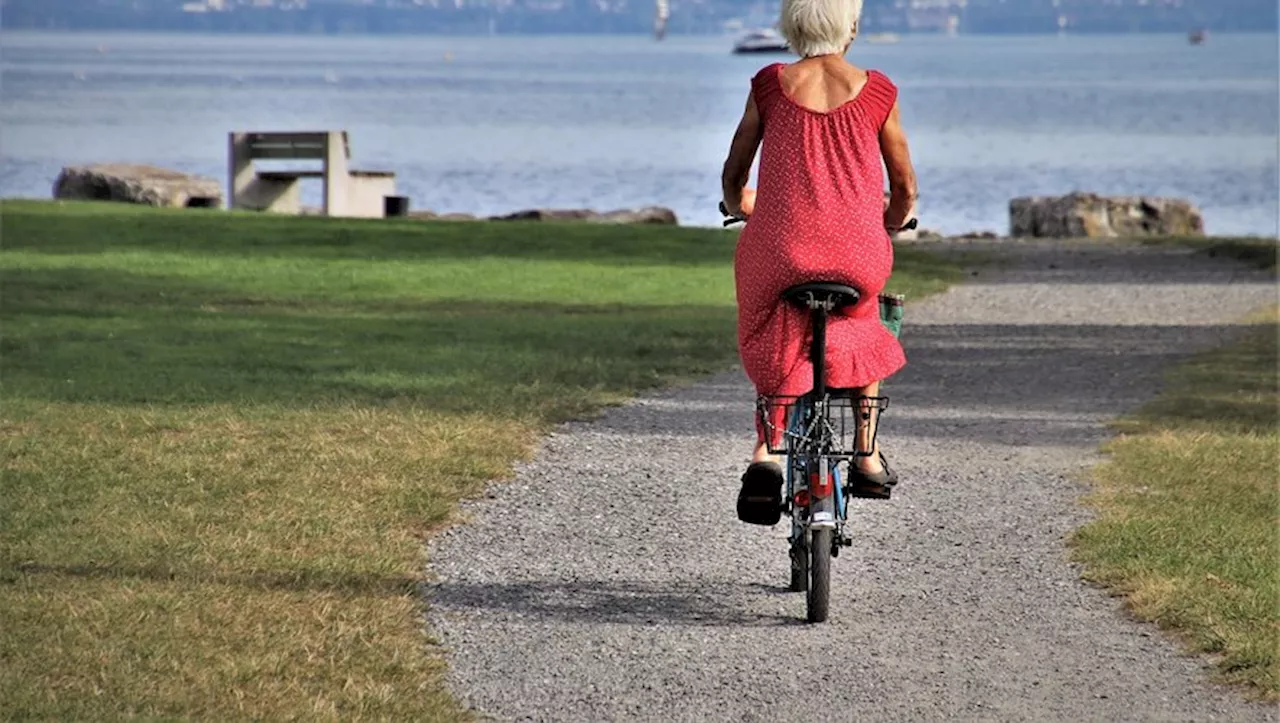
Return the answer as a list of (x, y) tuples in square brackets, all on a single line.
[(790, 425)]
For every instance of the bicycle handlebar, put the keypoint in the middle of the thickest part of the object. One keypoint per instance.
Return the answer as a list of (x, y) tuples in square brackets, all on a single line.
[(729, 220), (910, 225)]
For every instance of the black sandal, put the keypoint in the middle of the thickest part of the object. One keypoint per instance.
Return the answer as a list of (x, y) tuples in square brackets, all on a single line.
[(760, 499), (871, 486)]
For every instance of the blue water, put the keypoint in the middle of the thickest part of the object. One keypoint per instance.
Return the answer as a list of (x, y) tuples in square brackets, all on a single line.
[(495, 124)]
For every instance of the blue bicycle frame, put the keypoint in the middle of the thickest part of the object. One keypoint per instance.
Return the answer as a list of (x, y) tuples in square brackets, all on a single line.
[(796, 467)]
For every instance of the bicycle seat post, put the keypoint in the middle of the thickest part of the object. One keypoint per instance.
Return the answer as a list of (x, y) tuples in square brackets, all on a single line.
[(820, 298), (818, 350)]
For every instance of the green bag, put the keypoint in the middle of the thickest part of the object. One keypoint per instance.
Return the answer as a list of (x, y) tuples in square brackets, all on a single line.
[(891, 312)]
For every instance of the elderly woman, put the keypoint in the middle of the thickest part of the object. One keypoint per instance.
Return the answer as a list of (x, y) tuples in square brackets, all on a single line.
[(826, 131)]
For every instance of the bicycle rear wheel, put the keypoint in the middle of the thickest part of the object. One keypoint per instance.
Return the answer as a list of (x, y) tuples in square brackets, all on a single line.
[(819, 598)]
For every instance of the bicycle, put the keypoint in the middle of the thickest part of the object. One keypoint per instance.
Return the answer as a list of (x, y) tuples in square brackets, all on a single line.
[(817, 432)]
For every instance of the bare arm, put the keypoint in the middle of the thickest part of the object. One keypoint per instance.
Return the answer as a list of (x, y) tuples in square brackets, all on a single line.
[(902, 176), (742, 153)]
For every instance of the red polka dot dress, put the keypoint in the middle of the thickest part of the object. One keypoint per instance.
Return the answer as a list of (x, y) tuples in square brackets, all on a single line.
[(819, 216)]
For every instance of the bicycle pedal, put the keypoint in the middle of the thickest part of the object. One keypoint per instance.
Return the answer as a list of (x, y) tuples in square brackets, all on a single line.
[(869, 493)]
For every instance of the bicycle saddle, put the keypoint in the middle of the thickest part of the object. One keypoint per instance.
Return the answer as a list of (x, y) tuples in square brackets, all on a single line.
[(839, 294)]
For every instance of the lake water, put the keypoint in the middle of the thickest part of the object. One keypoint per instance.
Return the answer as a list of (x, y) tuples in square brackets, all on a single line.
[(496, 124)]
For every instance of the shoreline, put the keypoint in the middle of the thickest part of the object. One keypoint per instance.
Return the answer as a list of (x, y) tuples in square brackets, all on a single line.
[(646, 34), (924, 236)]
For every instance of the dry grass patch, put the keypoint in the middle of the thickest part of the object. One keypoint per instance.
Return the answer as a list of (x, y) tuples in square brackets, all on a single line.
[(200, 564), (1189, 510)]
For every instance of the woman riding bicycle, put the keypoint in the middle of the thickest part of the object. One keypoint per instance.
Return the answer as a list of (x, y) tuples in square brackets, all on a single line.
[(826, 131)]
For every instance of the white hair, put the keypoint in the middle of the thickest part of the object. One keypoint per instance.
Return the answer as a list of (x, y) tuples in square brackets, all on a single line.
[(818, 27)]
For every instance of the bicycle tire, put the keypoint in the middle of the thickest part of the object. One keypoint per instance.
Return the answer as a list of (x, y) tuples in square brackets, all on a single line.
[(819, 597)]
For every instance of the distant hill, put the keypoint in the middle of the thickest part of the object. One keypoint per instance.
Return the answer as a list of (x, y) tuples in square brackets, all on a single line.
[(626, 16)]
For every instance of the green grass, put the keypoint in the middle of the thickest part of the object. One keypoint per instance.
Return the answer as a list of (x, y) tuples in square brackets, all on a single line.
[(1189, 510), (224, 436), (1254, 250)]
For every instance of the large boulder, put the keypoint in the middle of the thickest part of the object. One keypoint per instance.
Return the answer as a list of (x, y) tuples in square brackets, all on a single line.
[(1090, 215), (129, 183), (647, 215)]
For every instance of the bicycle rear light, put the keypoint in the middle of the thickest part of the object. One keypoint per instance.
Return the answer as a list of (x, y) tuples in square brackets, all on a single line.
[(820, 488)]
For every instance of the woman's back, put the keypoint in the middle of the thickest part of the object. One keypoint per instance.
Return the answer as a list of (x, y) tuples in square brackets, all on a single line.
[(822, 84), (820, 199), (818, 217)]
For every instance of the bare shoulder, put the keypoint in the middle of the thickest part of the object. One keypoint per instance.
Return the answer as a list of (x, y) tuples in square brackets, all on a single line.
[(881, 77), (770, 69), (854, 71), (852, 78)]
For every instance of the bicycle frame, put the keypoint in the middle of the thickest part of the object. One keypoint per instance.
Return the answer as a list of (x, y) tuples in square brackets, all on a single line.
[(814, 495), (815, 431)]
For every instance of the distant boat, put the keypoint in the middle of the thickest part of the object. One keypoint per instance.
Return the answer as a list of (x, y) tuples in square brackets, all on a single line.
[(761, 40), (1198, 36), (882, 38)]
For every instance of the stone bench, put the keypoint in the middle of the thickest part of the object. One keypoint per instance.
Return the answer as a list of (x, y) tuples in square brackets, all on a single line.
[(347, 192)]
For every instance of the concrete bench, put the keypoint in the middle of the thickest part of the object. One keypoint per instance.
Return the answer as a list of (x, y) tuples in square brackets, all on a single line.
[(347, 192)]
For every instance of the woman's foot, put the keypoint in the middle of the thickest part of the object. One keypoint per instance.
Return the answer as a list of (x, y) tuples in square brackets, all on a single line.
[(760, 499), (871, 464), (871, 478)]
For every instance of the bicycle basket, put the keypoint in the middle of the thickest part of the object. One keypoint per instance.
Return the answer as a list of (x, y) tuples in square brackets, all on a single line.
[(790, 424)]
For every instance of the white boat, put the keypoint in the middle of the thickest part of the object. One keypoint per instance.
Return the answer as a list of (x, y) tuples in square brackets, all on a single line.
[(882, 38), (761, 40)]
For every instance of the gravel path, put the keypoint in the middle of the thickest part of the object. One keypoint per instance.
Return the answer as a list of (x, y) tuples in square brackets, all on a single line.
[(612, 581)]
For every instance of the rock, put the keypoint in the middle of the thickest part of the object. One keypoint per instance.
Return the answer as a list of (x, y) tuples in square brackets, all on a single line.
[(146, 185), (433, 216), (1093, 216), (544, 214), (648, 214)]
